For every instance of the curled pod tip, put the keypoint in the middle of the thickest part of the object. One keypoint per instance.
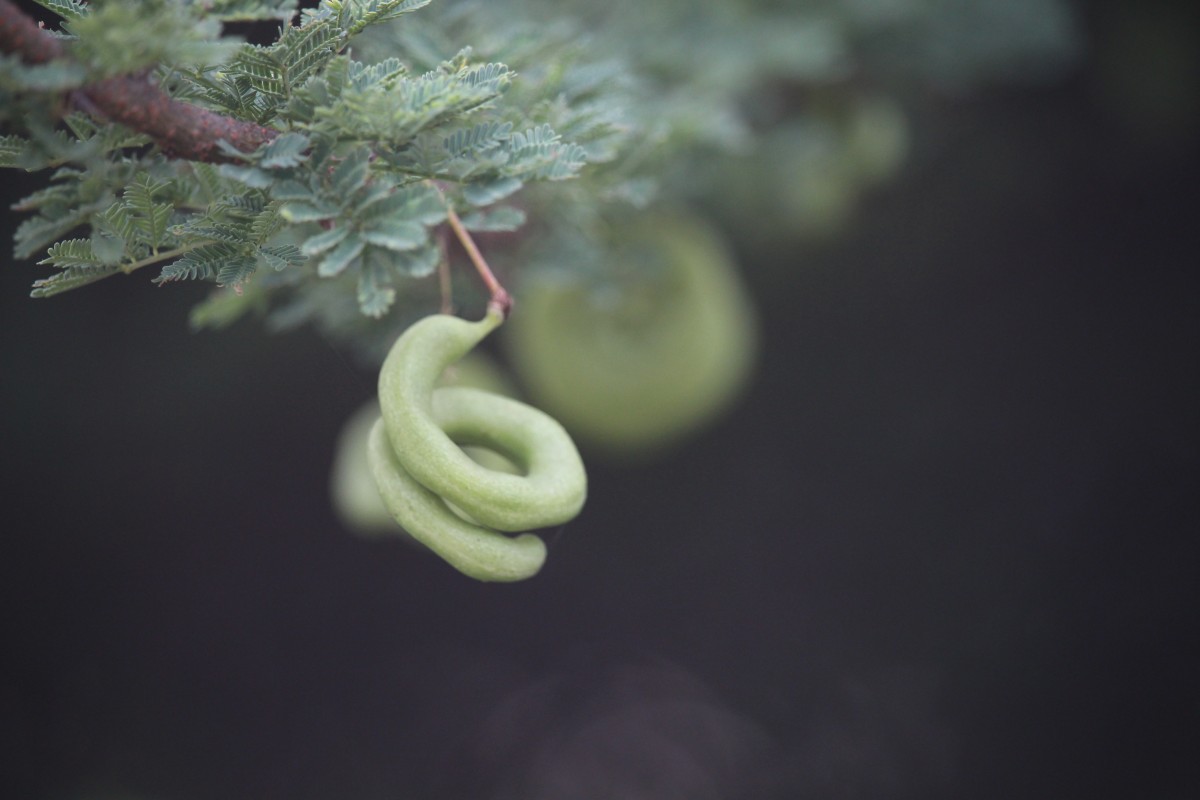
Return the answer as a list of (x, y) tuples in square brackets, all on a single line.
[(472, 549)]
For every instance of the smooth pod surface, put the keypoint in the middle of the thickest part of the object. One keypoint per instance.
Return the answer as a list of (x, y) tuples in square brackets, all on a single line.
[(352, 488), (457, 507)]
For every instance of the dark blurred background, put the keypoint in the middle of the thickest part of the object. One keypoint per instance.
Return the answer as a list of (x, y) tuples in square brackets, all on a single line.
[(945, 547)]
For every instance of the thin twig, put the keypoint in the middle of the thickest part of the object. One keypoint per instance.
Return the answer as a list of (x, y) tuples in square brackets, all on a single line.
[(500, 299), (444, 282), (159, 256)]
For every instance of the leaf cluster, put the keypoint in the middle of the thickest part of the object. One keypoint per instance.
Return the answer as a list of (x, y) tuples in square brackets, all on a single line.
[(369, 157), (570, 114), (126, 37)]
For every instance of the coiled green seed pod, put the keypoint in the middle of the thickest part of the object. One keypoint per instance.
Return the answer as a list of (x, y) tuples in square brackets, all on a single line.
[(634, 370), (352, 489), (454, 506)]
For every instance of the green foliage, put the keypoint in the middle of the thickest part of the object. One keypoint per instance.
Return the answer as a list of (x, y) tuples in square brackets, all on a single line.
[(377, 104), (250, 10), (258, 80), (69, 10), (117, 38), (367, 162), (565, 114), (11, 148), (56, 76), (78, 263)]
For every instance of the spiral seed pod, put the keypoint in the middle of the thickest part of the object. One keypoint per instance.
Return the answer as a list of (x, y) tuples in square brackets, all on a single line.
[(456, 507), (634, 370), (352, 490)]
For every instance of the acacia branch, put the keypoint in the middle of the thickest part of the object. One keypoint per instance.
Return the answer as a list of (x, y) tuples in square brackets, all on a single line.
[(181, 130), (21, 35)]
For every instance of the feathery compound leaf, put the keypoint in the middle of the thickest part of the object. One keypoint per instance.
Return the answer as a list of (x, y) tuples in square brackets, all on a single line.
[(228, 233), (118, 38), (140, 193), (540, 153), (285, 150), (62, 191), (534, 138), (67, 9), (382, 75), (70, 278), (236, 271), (304, 50), (71, 253), (459, 91), (266, 223), (117, 219), (482, 137), (566, 163), (491, 78), (11, 148), (37, 232), (394, 112), (281, 256), (150, 217), (373, 11), (209, 180), (259, 68), (232, 92), (203, 263), (245, 206), (260, 79), (250, 10)]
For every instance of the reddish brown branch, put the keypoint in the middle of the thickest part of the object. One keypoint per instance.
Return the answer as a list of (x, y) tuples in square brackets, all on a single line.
[(21, 35), (500, 298), (181, 130)]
